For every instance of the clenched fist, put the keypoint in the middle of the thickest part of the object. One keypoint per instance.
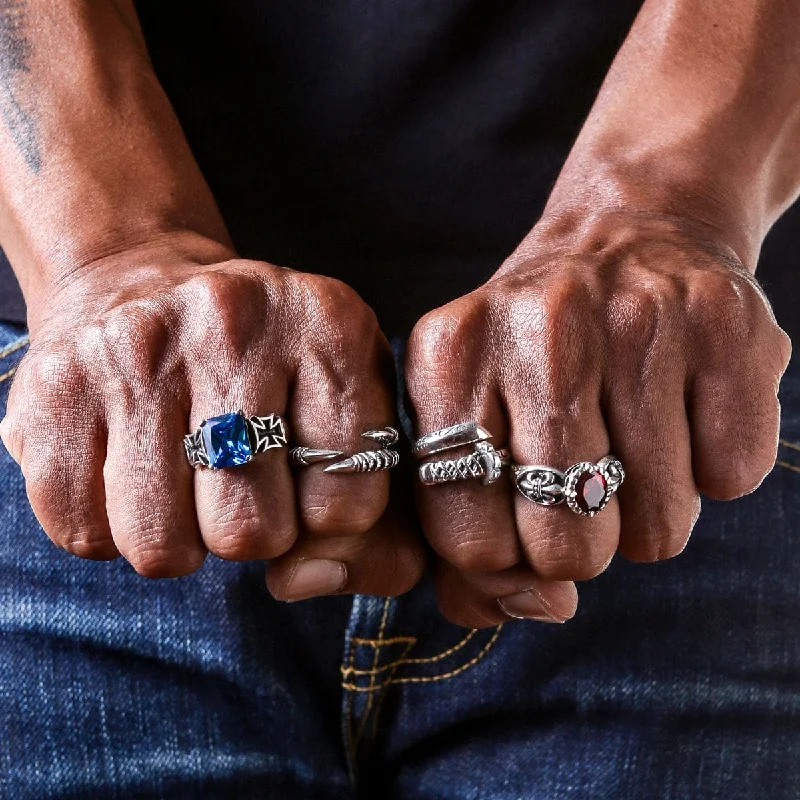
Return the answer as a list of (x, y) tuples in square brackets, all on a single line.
[(633, 334), (132, 352)]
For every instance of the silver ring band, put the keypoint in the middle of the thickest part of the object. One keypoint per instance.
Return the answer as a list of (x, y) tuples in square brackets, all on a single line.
[(449, 438)]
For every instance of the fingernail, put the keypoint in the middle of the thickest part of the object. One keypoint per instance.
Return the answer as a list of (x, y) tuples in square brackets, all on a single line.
[(315, 578), (559, 606)]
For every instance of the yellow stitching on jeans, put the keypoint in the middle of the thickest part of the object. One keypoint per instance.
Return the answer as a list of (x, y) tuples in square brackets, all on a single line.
[(790, 445), (365, 715), (787, 465), (430, 678), (382, 642), (12, 348), (6, 375), (403, 660)]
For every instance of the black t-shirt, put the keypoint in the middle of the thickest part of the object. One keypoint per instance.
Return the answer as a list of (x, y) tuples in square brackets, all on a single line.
[(404, 146)]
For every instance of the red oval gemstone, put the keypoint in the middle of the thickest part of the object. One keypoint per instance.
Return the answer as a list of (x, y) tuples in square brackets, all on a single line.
[(590, 491)]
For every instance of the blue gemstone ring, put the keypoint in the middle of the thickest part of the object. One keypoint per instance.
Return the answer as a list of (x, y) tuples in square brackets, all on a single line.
[(231, 440)]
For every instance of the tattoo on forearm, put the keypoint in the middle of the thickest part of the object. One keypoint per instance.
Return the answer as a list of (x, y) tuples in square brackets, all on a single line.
[(15, 51)]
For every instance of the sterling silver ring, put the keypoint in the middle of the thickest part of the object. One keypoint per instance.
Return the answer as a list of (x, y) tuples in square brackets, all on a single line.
[(449, 438), (230, 440), (484, 462), (363, 461), (585, 487)]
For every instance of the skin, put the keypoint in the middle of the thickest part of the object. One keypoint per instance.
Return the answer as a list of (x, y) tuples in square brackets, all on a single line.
[(144, 321), (627, 321)]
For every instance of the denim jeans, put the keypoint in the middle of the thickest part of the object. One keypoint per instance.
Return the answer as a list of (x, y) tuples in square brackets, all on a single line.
[(677, 680)]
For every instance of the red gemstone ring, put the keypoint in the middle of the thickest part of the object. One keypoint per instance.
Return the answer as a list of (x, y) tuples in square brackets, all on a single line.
[(585, 487)]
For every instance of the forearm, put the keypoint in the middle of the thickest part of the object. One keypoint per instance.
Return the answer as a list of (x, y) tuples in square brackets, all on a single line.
[(92, 157), (700, 116)]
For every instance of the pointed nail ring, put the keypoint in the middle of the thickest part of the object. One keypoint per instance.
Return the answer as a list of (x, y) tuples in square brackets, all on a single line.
[(363, 461), (306, 456)]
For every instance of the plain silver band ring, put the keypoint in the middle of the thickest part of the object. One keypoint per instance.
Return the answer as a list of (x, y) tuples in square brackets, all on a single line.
[(449, 438)]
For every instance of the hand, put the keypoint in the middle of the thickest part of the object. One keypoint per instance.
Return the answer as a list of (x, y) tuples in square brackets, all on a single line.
[(637, 335), (133, 351)]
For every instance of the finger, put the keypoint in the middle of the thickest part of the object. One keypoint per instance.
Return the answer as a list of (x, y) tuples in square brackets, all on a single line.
[(247, 511), (659, 502), (556, 421), (735, 420), (148, 482), (60, 446), (734, 412), (478, 600), (470, 525), (388, 561), (344, 387)]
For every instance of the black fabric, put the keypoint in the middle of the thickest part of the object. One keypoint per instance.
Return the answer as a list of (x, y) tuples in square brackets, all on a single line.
[(404, 146)]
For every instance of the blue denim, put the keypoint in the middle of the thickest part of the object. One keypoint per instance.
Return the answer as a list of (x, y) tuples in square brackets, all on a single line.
[(675, 681)]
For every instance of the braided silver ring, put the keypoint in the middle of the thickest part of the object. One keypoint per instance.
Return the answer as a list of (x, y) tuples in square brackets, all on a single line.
[(484, 462)]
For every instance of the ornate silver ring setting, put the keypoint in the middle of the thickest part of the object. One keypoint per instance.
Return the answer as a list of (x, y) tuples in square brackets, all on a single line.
[(363, 461), (230, 440), (585, 487)]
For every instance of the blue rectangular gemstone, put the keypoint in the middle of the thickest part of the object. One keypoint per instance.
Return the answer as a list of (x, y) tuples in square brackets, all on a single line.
[(226, 440)]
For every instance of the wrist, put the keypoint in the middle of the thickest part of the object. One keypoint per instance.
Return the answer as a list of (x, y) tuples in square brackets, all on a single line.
[(132, 269), (673, 192)]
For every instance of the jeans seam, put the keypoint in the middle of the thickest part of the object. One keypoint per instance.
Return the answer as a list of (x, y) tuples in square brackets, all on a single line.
[(6, 375), (403, 660), (788, 464), (365, 715), (14, 346), (374, 687)]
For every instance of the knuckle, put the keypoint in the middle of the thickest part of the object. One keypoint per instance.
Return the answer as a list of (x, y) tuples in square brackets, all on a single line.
[(248, 539), (572, 566), (88, 544), (481, 554), (55, 378), (225, 309), (777, 349), (560, 313), (721, 306), (737, 476), (662, 532), (44, 480), (443, 338), (332, 301), (566, 555), (155, 560), (342, 514), (634, 317)]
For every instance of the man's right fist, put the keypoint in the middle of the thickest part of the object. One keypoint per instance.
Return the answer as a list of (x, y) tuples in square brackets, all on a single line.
[(131, 353)]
